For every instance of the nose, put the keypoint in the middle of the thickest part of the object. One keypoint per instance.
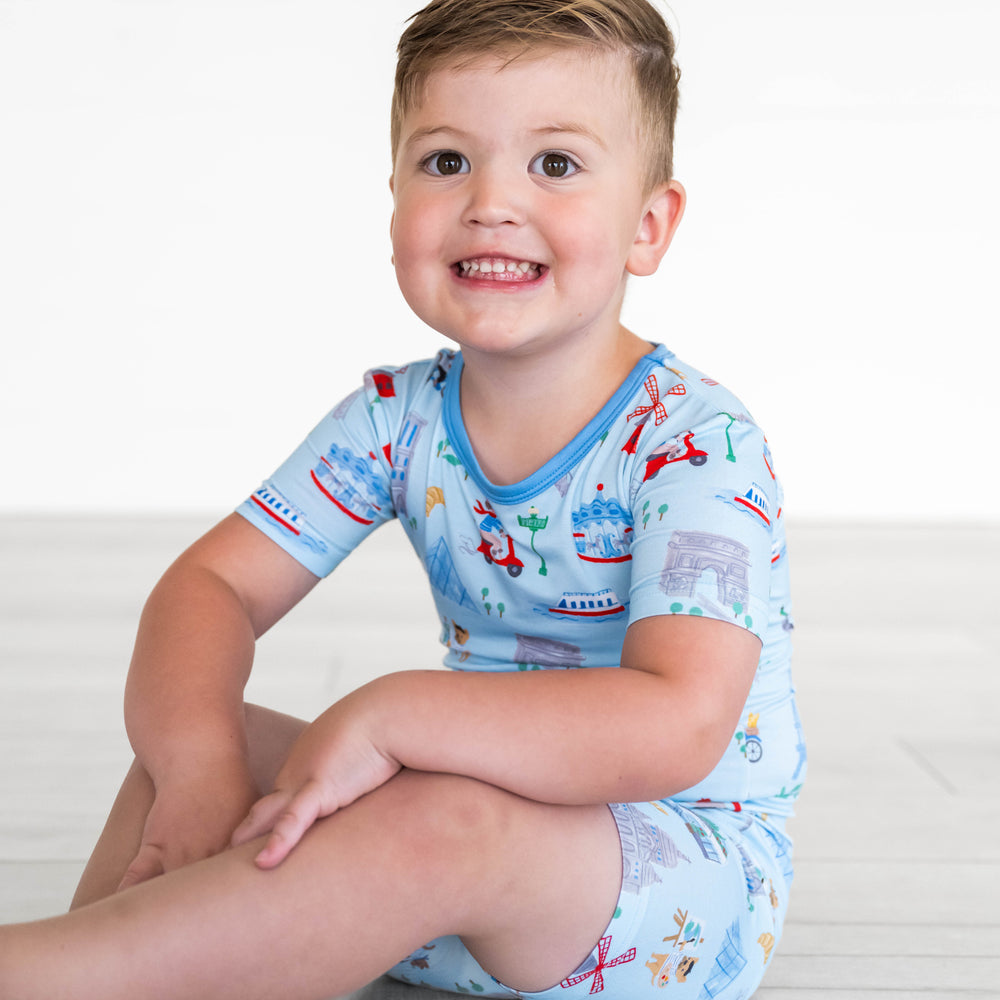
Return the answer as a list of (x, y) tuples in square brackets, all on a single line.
[(494, 199)]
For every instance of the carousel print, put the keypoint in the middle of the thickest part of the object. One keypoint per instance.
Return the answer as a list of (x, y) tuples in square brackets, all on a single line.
[(602, 530), (351, 483)]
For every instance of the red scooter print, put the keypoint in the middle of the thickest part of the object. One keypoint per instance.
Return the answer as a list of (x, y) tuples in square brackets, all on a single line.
[(676, 450), (496, 546)]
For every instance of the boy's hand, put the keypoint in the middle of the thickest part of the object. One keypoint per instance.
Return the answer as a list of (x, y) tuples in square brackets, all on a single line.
[(190, 819), (334, 762)]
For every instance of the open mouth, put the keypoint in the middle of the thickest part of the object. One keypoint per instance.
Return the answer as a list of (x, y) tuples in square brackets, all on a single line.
[(504, 269)]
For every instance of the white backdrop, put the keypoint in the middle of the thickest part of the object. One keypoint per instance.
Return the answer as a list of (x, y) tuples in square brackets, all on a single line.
[(194, 254)]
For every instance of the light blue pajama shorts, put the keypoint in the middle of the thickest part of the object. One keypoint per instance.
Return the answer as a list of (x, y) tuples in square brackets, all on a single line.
[(703, 898)]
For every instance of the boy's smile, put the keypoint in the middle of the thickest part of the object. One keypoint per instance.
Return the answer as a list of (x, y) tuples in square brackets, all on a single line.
[(519, 201), (499, 269)]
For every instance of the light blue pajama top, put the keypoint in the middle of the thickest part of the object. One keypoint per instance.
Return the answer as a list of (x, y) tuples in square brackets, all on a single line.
[(665, 503)]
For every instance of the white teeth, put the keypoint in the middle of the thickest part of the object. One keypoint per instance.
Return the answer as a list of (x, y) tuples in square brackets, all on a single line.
[(495, 266)]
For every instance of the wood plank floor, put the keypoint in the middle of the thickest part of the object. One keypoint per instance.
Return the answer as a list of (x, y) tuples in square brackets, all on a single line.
[(898, 834)]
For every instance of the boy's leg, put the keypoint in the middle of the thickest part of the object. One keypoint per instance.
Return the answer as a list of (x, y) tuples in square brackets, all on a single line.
[(119, 840), (530, 887), (270, 734)]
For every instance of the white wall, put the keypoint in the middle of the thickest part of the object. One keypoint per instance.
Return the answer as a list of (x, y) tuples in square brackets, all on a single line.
[(194, 259)]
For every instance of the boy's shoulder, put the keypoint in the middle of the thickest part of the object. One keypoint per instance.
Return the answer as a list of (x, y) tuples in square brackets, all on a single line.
[(675, 382), (385, 381)]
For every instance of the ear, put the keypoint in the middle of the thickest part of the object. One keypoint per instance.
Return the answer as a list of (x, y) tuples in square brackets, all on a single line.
[(662, 216), (392, 191)]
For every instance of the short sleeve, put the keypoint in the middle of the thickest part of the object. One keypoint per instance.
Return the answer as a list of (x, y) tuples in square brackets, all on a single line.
[(334, 489), (704, 501)]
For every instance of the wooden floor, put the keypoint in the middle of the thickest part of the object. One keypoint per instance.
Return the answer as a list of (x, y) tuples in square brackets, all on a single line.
[(898, 630)]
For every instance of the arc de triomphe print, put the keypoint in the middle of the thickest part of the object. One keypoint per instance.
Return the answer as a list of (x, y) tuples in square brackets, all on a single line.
[(691, 553)]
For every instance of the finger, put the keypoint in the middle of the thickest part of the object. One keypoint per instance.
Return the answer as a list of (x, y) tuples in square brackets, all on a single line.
[(147, 864), (261, 818), (302, 811)]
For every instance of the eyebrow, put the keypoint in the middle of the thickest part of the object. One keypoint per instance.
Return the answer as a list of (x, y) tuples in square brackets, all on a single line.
[(556, 128), (570, 128), (429, 132)]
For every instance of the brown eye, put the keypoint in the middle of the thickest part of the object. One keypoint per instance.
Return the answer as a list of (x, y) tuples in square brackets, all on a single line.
[(554, 165), (447, 163)]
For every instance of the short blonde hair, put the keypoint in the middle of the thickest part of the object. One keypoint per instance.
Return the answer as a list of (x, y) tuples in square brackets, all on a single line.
[(457, 32)]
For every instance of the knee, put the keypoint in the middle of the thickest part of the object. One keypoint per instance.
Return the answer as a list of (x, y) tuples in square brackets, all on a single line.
[(448, 818)]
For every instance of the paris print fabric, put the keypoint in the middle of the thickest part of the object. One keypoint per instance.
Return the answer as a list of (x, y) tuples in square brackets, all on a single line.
[(666, 503)]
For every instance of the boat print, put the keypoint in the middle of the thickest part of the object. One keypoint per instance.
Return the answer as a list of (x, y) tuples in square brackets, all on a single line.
[(278, 508), (597, 604)]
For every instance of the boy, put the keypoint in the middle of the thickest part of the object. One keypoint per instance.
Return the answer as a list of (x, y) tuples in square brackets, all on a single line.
[(602, 531)]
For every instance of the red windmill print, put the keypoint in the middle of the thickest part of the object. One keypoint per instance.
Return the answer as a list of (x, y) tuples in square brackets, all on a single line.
[(655, 406), (603, 950)]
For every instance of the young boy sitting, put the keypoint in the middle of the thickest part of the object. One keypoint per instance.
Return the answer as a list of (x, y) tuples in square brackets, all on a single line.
[(593, 799)]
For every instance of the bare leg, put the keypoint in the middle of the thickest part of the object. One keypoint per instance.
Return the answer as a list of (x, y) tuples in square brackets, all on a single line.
[(271, 735), (530, 887)]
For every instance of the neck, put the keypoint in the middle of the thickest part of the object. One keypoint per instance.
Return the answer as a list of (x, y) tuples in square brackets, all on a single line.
[(520, 412)]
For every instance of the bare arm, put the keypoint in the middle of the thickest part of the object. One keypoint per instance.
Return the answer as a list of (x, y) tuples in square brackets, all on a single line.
[(647, 730), (184, 694), (195, 645), (654, 726)]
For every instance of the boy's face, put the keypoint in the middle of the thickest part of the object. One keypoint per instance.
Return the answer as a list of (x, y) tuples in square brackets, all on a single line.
[(519, 202)]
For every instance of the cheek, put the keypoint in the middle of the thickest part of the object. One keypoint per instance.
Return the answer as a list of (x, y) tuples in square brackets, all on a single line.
[(416, 258), (400, 233), (415, 290), (596, 261), (416, 242), (418, 215), (582, 229)]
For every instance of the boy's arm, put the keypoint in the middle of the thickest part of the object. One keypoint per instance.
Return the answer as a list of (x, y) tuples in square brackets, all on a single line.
[(647, 730), (651, 728), (184, 695)]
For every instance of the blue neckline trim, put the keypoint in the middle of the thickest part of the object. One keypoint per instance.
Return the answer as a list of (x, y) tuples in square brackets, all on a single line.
[(562, 462)]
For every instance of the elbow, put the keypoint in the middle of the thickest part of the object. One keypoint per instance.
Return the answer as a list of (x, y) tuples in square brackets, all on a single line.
[(710, 743), (691, 750)]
